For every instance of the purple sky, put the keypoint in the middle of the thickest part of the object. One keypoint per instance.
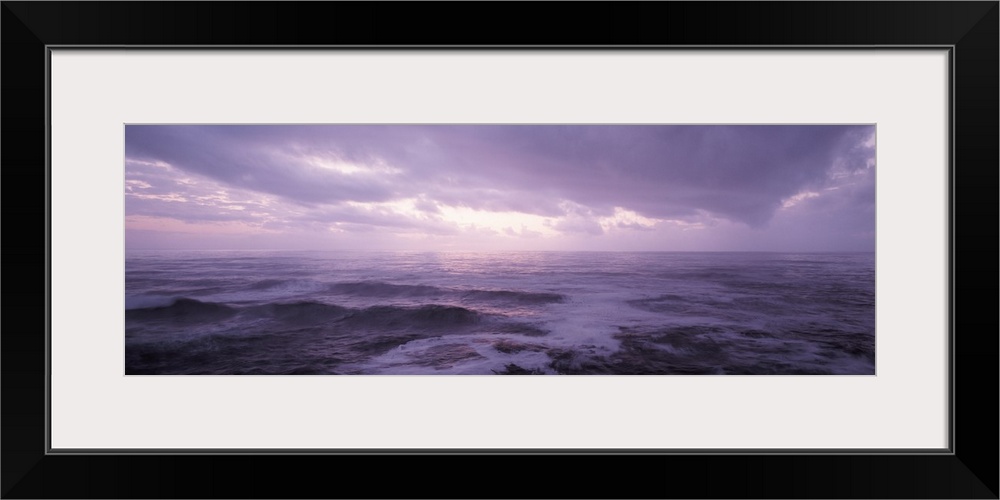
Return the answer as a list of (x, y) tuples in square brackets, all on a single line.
[(500, 187)]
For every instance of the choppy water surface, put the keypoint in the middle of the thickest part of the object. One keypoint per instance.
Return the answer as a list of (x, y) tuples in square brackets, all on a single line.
[(500, 313)]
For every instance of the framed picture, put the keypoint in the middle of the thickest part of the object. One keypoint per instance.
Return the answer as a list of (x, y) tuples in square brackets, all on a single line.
[(830, 140)]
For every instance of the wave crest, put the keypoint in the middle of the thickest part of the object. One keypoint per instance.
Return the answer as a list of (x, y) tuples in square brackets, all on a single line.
[(381, 289)]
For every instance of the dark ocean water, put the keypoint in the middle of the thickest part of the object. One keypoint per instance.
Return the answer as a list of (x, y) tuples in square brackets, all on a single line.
[(499, 313)]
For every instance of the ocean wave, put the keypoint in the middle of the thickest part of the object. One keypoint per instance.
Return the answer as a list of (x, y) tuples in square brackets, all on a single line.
[(562, 314), (511, 296), (381, 289), (382, 317), (300, 312), (150, 300), (433, 315), (182, 309)]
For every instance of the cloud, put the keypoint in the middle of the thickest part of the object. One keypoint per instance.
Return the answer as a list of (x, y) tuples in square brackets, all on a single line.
[(573, 179), (578, 223)]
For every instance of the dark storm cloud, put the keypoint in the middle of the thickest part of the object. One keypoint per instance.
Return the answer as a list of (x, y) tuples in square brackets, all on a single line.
[(739, 173)]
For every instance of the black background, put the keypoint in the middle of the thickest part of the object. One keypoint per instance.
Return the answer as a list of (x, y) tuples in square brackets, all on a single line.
[(971, 472)]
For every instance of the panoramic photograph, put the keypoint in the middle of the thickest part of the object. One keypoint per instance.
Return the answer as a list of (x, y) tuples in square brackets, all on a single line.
[(480, 249)]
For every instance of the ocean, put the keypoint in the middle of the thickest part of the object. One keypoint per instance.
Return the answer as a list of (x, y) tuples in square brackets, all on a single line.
[(513, 313)]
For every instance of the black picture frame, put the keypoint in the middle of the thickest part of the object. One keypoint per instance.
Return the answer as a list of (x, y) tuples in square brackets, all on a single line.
[(968, 470)]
